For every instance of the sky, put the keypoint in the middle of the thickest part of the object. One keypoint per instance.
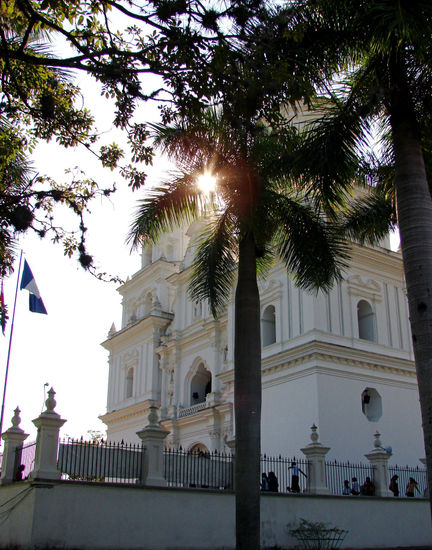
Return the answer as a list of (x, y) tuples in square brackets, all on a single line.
[(63, 348)]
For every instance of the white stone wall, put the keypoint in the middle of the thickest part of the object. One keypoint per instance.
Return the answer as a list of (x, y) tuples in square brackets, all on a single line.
[(91, 516)]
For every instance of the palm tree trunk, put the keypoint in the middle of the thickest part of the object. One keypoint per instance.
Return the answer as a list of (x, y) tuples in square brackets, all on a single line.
[(414, 207), (247, 399)]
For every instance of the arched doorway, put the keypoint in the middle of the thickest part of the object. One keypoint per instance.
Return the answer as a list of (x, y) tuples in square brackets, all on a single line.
[(200, 386)]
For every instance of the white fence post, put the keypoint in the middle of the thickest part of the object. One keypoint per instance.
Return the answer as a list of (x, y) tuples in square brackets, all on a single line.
[(152, 437), (13, 438), (315, 452), (378, 458), (48, 425)]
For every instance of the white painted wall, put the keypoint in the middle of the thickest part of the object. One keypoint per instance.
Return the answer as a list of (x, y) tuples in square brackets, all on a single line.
[(90, 516), (341, 418), (288, 411)]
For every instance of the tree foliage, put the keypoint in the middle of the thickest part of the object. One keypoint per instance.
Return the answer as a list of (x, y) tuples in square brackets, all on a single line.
[(200, 53), (257, 214)]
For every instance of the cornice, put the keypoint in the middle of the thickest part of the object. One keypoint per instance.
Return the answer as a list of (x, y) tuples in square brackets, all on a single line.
[(135, 331), (386, 264), (127, 413), (339, 356), (158, 268)]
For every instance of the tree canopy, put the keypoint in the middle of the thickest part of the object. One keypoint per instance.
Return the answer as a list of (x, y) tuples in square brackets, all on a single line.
[(201, 54)]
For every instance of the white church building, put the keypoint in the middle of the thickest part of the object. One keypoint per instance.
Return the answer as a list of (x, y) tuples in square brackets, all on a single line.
[(341, 360)]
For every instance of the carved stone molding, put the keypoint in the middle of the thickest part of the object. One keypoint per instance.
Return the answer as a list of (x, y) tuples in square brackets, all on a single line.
[(364, 288), (130, 359)]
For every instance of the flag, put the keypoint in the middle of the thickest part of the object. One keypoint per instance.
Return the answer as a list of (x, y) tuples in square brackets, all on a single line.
[(3, 311), (28, 283)]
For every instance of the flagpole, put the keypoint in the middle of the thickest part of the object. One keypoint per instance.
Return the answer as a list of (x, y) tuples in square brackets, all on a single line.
[(10, 345)]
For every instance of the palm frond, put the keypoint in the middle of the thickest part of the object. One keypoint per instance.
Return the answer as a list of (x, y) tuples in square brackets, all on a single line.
[(206, 139), (164, 209), (214, 264), (313, 250), (370, 219), (332, 150)]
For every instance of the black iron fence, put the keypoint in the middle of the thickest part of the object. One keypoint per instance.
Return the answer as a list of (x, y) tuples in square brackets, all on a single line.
[(198, 469), (338, 472), (123, 463), (284, 469), (100, 461), (27, 458), (404, 473), (216, 470)]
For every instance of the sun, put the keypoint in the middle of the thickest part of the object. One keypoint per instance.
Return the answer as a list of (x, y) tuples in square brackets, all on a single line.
[(206, 183)]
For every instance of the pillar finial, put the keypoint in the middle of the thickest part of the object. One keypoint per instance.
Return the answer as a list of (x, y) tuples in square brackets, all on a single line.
[(314, 434), (16, 419), (153, 416), (51, 402), (377, 441)]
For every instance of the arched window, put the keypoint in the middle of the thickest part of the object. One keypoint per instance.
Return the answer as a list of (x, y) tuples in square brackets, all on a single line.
[(366, 321), (268, 326), (129, 382), (198, 448), (200, 385)]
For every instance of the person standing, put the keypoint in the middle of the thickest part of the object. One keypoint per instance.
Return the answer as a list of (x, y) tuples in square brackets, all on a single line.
[(295, 487), (411, 487), (394, 487)]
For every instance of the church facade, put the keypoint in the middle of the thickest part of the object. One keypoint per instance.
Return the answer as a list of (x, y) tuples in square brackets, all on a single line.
[(341, 360)]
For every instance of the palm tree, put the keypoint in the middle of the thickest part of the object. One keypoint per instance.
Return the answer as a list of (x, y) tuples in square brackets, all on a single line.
[(258, 214), (384, 74)]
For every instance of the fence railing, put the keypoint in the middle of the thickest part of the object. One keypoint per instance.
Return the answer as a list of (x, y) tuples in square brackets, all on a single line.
[(404, 473), (123, 463), (27, 458), (193, 409), (198, 469), (284, 468), (99, 461), (215, 470), (338, 472)]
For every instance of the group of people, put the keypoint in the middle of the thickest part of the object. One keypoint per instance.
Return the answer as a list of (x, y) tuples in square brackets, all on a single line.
[(368, 488), (270, 482), (410, 489)]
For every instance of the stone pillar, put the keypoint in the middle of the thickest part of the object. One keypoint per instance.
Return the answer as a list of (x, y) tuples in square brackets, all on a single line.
[(378, 458), (13, 438), (48, 425), (152, 437), (315, 452), (426, 491)]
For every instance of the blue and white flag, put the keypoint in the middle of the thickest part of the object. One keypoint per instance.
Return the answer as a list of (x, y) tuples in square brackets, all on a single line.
[(28, 283)]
